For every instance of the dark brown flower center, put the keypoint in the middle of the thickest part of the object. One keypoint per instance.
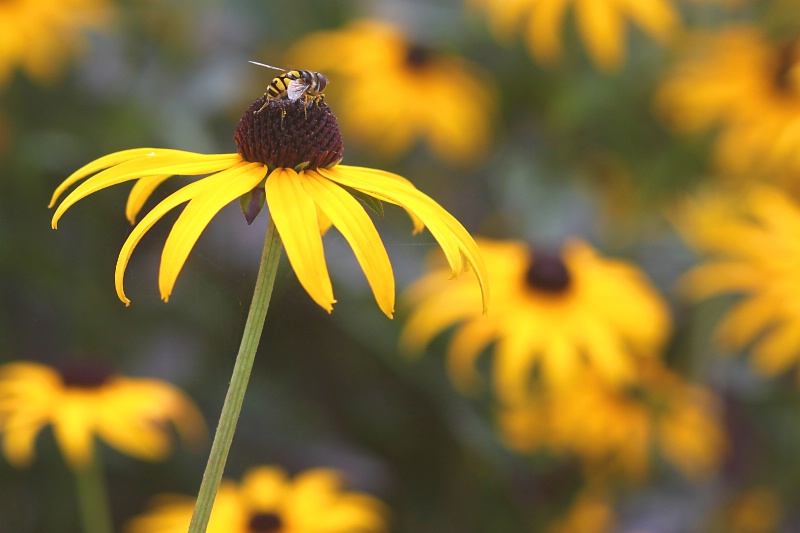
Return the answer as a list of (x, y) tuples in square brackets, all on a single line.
[(784, 73), (289, 134), (547, 273), (85, 375), (265, 523), (418, 56)]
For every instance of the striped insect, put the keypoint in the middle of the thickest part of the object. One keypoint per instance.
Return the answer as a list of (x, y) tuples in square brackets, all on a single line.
[(294, 84)]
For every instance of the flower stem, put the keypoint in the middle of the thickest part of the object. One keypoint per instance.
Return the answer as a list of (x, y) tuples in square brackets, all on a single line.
[(92, 497), (241, 374)]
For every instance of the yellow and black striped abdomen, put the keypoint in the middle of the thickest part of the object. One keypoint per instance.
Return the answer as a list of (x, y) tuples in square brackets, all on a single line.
[(279, 85)]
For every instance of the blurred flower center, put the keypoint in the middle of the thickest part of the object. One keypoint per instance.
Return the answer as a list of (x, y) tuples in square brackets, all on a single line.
[(265, 523), (86, 374), (547, 273), (289, 134), (418, 57), (786, 70)]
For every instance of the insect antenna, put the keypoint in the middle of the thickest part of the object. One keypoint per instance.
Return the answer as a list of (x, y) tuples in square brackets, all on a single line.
[(267, 66)]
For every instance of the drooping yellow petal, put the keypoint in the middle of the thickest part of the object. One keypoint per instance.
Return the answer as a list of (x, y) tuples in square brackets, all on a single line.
[(746, 321), (778, 350), (175, 199), (455, 241), (657, 17), (229, 185), (295, 217), (186, 163), (140, 192), (543, 33), (466, 345), (349, 217), (73, 426), (602, 30), (19, 437), (104, 162)]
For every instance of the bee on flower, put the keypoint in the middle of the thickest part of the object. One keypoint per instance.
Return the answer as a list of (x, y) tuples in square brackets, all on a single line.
[(288, 158)]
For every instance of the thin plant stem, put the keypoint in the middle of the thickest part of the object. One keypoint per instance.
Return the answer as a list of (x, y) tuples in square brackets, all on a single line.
[(93, 497), (241, 374)]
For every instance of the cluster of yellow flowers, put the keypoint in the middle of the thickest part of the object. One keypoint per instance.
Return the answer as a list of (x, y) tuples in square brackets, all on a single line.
[(577, 340)]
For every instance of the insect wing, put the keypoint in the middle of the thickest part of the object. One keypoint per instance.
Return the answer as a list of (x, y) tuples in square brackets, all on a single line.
[(297, 88)]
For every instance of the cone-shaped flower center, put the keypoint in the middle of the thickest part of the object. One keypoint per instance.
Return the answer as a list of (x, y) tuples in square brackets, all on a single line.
[(547, 273), (289, 134), (85, 375), (265, 523)]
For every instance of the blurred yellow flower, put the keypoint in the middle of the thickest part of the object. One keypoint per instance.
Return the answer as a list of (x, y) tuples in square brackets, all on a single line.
[(439, 98), (752, 240), (614, 430), (756, 510), (40, 36), (554, 314), (289, 152), (131, 415), (601, 24), (592, 511), (748, 88), (267, 501)]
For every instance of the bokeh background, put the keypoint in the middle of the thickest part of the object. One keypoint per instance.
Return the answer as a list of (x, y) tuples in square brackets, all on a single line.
[(532, 144)]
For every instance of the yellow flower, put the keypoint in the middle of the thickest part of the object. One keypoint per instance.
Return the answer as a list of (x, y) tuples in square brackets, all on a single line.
[(614, 430), (753, 240), (551, 313), (289, 152), (435, 97), (747, 87), (40, 36), (131, 415), (601, 24), (267, 501), (591, 512)]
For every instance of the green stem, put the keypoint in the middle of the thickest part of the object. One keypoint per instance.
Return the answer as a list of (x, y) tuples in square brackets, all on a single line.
[(241, 374), (93, 497)]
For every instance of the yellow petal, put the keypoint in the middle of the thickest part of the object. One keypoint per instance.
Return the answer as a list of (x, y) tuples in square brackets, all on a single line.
[(264, 487), (186, 163), (104, 162), (545, 25), (746, 320), (73, 426), (175, 199), (602, 31), (657, 17), (777, 350), (295, 217), (465, 346), (140, 192), (228, 185), (19, 438), (455, 241), (349, 217)]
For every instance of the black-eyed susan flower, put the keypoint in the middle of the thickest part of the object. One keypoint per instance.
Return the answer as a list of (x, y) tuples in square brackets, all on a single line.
[(86, 401), (552, 314), (268, 501), (601, 24), (614, 430), (435, 97), (289, 152), (750, 242), (748, 88), (40, 37)]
